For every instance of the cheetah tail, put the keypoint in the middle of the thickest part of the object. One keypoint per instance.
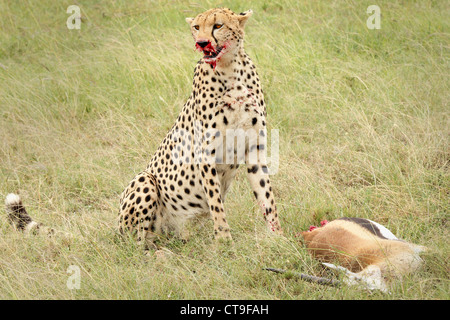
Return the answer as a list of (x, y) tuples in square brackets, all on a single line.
[(18, 215)]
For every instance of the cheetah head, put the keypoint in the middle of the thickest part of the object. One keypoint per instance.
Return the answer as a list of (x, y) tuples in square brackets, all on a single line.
[(218, 33)]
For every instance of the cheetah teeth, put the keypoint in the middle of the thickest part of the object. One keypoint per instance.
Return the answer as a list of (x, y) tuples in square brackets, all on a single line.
[(212, 54)]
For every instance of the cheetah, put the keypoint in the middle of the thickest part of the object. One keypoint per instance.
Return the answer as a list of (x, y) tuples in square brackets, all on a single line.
[(190, 173)]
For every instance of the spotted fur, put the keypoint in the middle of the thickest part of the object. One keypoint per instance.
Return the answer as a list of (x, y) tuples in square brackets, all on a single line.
[(20, 219), (191, 171), (185, 177)]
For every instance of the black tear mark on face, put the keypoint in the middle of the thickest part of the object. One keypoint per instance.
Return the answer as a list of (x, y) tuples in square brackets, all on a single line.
[(212, 34)]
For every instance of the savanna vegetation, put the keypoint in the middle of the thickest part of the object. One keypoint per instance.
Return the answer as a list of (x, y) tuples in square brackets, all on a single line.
[(363, 120)]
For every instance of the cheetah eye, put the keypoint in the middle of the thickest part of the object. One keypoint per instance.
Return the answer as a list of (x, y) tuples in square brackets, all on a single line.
[(218, 26), (196, 27)]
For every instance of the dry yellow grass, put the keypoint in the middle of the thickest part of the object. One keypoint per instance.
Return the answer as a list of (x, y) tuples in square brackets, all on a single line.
[(364, 131)]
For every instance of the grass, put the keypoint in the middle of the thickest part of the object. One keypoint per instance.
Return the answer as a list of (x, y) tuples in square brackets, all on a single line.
[(363, 118)]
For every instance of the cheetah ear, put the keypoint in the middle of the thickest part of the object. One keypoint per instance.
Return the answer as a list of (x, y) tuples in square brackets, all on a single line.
[(189, 20), (243, 17)]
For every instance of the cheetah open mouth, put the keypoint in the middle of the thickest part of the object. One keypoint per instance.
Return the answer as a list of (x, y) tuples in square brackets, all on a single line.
[(211, 54)]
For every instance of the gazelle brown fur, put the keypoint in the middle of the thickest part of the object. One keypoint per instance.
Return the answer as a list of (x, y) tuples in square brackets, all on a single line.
[(365, 250)]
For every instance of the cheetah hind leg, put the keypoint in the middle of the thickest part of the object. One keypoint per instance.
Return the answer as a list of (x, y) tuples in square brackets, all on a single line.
[(141, 213)]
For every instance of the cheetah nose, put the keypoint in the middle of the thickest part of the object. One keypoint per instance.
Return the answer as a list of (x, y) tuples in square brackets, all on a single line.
[(202, 43)]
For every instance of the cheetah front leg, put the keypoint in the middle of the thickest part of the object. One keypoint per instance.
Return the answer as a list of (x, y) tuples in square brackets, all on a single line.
[(258, 176), (211, 187)]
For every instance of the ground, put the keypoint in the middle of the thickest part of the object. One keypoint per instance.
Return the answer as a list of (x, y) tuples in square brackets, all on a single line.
[(363, 124)]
